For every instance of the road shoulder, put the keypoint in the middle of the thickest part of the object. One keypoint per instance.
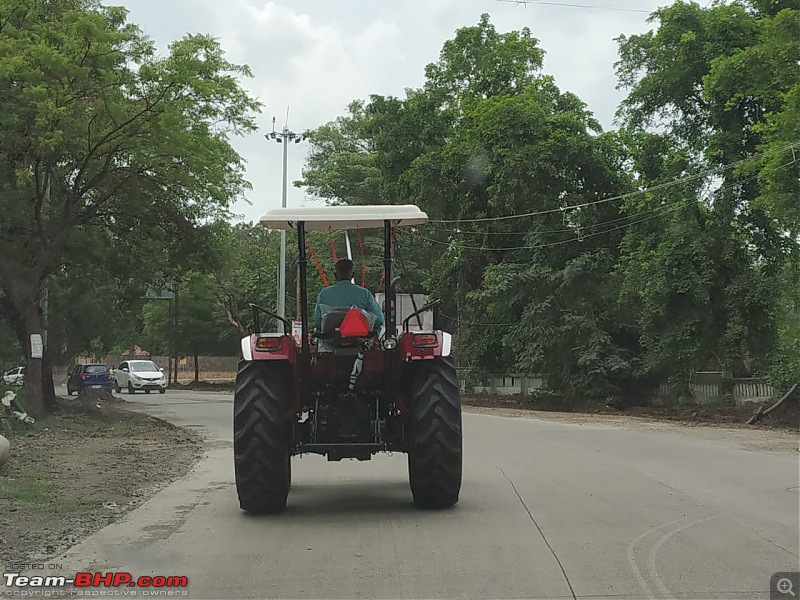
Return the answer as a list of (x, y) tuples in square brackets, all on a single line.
[(754, 438), (88, 465)]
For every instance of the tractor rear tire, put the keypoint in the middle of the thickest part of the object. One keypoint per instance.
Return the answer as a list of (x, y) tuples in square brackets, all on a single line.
[(261, 436), (434, 442)]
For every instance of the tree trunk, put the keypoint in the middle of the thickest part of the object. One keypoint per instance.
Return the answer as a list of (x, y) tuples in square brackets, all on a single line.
[(23, 294), (196, 367), (33, 371), (48, 385)]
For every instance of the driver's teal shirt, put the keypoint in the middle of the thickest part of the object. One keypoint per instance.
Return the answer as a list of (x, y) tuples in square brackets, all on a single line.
[(344, 294)]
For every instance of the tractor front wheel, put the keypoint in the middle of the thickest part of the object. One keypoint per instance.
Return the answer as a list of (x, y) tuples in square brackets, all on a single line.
[(434, 443), (261, 436)]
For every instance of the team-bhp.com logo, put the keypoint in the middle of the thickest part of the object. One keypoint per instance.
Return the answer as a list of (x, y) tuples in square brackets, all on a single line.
[(154, 583)]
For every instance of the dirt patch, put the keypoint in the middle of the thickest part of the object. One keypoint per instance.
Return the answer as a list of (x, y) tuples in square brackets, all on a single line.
[(89, 463), (787, 417)]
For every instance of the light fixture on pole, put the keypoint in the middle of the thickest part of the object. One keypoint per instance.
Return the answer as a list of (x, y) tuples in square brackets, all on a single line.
[(283, 137)]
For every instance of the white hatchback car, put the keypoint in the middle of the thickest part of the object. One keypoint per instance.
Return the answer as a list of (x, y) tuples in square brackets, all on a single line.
[(139, 375)]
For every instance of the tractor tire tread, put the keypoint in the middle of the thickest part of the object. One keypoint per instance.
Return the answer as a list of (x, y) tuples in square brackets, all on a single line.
[(261, 442), (435, 452)]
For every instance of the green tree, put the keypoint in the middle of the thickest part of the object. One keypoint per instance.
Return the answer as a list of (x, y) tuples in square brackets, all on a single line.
[(10, 352), (201, 326), (719, 83), (489, 135), (479, 62), (341, 165), (101, 131), (243, 269), (667, 246)]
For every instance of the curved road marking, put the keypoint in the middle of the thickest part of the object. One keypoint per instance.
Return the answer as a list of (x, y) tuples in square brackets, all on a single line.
[(653, 555), (631, 556)]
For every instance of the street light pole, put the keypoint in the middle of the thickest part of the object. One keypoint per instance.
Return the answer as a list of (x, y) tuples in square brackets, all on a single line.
[(283, 137)]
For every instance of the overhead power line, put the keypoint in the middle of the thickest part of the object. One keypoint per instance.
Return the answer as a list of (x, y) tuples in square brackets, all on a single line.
[(571, 5), (580, 238), (662, 186), (571, 229), (463, 322)]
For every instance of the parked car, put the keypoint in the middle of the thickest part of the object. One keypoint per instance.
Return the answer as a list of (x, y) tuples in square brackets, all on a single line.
[(140, 375), (14, 376), (95, 376)]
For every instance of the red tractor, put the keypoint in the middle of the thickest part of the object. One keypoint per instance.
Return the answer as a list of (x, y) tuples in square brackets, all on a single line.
[(345, 391)]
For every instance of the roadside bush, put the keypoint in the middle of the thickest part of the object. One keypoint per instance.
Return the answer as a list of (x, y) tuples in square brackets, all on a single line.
[(784, 369)]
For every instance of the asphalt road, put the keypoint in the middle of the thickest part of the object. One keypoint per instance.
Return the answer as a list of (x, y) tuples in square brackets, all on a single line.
[(549, 509)]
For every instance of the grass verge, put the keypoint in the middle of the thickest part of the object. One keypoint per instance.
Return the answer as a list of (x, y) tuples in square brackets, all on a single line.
[(90, 462)]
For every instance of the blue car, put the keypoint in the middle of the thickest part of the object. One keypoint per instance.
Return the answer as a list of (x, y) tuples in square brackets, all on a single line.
[(90, 377)]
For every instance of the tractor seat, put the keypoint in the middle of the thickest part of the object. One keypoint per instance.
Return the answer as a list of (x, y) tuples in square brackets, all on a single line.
[(332, 320), (330, 335)]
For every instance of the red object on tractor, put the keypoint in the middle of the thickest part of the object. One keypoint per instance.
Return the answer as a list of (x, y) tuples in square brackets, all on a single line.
[(344, 392), (354, 324)]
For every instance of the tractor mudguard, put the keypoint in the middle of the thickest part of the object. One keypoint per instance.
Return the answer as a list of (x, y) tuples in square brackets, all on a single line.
[(270, 346), (274, 347)]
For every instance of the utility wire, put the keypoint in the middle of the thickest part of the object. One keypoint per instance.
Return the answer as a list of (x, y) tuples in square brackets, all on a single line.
[(595, 6), (550, 244), (672, 208), (463, 322), (655, 188), (546, 231), (580, 237)]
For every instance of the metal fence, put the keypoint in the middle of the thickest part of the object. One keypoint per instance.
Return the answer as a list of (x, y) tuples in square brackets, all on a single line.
[(707, 388), (502, 385)]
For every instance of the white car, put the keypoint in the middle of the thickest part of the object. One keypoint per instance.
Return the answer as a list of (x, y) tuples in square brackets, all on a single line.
[(139, 375), (14, 376)]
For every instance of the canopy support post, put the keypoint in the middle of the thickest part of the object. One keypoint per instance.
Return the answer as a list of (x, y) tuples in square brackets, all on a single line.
[(390, 323), (303, 265)]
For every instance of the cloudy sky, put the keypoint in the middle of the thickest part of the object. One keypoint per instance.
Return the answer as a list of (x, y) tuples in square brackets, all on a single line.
[(315, 56)]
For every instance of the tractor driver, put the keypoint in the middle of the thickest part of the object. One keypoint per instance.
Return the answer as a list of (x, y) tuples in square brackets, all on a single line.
[(345, 294)]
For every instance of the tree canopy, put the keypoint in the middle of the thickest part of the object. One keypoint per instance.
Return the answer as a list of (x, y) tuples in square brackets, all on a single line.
[(103, 136), (609, 261)]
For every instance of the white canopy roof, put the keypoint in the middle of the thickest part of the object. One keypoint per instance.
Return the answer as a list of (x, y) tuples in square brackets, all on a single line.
[(344, 217)]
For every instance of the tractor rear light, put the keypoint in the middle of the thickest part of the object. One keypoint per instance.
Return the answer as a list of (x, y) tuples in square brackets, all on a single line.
[(424, 340), (269, 344)]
